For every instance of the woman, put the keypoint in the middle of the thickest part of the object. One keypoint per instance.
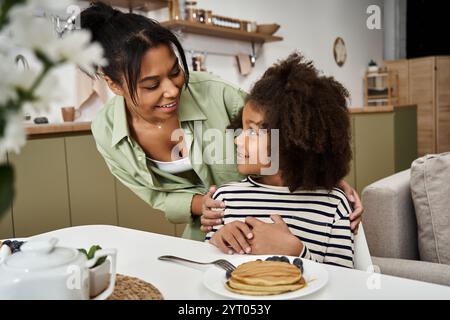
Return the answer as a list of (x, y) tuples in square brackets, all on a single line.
[(155, 97)]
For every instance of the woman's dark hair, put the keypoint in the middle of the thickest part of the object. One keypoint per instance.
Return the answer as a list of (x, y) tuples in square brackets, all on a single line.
[(311, 114), (125, 38)]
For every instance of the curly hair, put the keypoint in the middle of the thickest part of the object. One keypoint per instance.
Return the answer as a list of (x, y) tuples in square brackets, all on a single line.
[(310, 111)]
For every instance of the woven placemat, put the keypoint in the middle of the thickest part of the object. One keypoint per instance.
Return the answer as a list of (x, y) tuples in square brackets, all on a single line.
[(130, 288)]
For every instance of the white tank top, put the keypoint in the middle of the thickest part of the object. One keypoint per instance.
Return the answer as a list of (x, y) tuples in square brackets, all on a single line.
[(180, 165)]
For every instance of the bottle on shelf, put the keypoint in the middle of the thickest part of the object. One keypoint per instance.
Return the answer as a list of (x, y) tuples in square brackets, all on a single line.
[(191, 11)]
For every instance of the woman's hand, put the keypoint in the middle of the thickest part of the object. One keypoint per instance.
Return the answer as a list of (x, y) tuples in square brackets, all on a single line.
[(212, 211), (353, 197), (273, 238), (232, 238)]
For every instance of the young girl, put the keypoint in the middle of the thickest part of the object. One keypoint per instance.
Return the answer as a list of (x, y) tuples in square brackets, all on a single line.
[(309, 215)]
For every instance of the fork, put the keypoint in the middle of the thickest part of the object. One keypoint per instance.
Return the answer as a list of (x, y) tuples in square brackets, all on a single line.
[(224, 264)]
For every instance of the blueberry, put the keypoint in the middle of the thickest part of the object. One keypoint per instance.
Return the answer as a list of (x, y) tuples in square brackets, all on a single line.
[(298, 263), (228, 274), (14, 245), (284, 259), (271, 259), (276, 258)]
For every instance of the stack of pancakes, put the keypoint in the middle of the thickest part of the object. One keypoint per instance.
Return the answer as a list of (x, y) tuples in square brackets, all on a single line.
[(261, 278)]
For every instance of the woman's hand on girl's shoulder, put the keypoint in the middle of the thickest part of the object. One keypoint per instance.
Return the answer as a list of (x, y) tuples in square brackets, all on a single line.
[(358, 209), (212, 211)]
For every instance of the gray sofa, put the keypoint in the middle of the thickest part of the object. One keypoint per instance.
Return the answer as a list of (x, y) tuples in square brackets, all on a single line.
[(391, 230)]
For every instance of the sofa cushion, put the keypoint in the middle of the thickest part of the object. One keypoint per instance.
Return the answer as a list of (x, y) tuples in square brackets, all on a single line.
[(430, 188)]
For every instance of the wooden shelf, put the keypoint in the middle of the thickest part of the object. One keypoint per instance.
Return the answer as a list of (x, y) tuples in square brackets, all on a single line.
[(142, 5), (214, 31)]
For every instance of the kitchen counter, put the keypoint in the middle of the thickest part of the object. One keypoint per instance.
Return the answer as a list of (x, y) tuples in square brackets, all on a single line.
[(380, 109), (35, 130)]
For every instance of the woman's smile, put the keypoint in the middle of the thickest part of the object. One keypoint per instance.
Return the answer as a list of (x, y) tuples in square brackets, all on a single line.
[(168, 108)]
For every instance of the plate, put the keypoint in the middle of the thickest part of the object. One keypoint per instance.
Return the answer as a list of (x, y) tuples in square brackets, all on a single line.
[(315, 274)]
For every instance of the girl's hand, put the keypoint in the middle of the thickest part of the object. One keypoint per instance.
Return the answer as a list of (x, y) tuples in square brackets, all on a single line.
[(232, 238), (212, 211), (273, 238), (353, 197)]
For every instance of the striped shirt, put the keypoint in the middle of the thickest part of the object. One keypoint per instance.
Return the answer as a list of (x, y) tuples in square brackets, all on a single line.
[(319, 218)]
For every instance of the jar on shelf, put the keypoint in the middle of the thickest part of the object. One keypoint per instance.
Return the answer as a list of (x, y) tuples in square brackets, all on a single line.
[(201, 15), (174, 10), (208, 16), (244, 24), (191, 11), (217, 21), (252, 26)]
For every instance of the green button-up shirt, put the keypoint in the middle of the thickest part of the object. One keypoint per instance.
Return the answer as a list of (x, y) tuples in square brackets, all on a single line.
[(209, 103)]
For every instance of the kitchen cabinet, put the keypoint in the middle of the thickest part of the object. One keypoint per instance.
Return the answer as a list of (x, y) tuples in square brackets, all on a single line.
[(421, 88), (405, 137), (374, 144), (351, 178), (6, 223), (91, 185), (63, 181), (425, 81), (137, 214), (384, 143), (42, 198)]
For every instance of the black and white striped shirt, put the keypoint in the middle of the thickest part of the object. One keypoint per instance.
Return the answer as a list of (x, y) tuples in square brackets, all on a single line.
[(319, 218)]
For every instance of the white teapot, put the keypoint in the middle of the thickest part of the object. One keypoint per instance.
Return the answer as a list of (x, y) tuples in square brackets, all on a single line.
[(43, 271)]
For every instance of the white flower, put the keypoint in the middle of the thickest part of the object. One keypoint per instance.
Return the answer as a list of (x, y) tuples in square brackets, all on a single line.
[(48, 91), (77, 48), (37, 33), (14, 136), (14, 78), (31, 32), (52, 5), (23, 79), (40, 7)]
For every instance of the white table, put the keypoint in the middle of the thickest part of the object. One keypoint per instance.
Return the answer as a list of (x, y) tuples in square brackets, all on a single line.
[(138, 252)]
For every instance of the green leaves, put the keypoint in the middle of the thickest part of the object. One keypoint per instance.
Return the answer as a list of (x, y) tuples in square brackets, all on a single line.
[(6, 187), (90, 255)]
